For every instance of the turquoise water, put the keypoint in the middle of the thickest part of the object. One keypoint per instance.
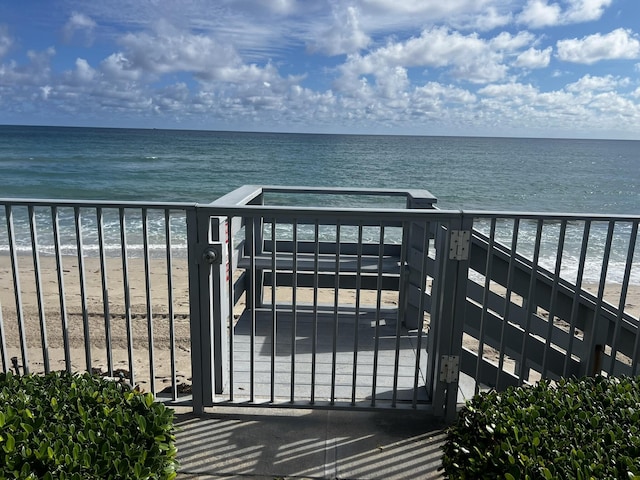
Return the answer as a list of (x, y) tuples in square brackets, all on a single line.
[(541, 175), (590, 176)]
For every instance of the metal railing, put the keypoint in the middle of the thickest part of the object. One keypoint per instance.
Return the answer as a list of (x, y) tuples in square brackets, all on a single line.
[(547, 297), (354, 304), (93, 286)]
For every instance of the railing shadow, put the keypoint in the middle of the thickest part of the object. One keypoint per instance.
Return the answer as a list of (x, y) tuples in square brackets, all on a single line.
[(284, 443)]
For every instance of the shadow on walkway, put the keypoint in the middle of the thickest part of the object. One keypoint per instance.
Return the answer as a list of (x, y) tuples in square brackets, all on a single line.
[(259, 443)]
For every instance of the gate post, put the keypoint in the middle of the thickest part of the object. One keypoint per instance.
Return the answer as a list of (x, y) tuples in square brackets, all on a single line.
[(199, 310), (207, 306), (448, 312)]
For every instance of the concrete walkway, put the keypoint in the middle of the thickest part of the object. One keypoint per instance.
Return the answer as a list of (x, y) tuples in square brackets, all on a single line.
[(259, 443)]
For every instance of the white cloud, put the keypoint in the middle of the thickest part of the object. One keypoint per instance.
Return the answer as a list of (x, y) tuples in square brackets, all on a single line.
[(467, 57), (509, 90), (84, 73), (618, 44), (509, 43), (117, 67), (5, 40), (79, 22), (540, 13), (45, 92), (589, 83), (445, 93), (169, 50), (344, 35), (586, 10), (434, 9), (534, 58), (488, 19)]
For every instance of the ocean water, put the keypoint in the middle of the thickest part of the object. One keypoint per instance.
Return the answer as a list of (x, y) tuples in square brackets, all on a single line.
[(591, 176), (504, 174)]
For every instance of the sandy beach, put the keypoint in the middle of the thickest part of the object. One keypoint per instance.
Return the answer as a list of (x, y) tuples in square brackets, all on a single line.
[(161, 338), (118, 326)]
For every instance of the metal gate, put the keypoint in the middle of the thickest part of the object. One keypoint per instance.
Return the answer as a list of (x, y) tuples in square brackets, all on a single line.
[(322, 307)]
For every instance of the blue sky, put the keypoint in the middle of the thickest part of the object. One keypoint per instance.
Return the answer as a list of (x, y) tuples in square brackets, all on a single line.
[(534, 68)]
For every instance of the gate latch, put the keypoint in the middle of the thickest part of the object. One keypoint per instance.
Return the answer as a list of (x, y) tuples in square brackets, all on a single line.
[(213, 254), (449, 368)]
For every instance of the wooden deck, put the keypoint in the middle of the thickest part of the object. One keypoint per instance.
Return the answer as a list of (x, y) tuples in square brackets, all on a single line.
[(328, 329)]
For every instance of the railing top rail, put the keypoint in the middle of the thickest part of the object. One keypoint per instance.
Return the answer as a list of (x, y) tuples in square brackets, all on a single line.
[(247, 193), (327, 212), (387, 192), (550, 215), (39, 202), (240, 196)]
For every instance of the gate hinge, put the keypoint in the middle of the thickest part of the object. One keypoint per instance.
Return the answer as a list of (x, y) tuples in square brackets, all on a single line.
[(449, 368), (459, 244)]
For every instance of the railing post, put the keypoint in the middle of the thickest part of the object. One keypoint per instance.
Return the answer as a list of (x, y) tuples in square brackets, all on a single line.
[(447, 314)]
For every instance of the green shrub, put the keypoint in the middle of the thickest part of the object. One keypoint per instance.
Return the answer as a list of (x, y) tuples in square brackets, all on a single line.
[(82, 427), (580, 428)]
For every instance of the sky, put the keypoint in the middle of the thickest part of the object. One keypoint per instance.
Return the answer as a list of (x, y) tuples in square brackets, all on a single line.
[(525, 68)]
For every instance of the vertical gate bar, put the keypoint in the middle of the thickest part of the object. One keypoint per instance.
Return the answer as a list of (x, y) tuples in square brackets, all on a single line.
[(294, 307), (61, 292), (403, 266), (273, 310), (172, 338), (576, 297), (3, 345), (147, 288), (314, 329), (336, 296), (39, 295), (251, 232), (593, 361), (507, 299), (421, 293), (83, 287), (356, 326), (554, 293), (216, 328), (530, 304), (623, 301), (636, 346), (230, 299), (378, 307), (485, 302), (127, 292), (16, 287), (105, 290)]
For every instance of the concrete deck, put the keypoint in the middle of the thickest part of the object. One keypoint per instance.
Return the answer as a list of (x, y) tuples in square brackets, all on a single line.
[(259, 443)]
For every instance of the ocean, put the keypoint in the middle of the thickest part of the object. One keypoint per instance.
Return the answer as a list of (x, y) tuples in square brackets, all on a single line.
[(589, 176), (504, 174)]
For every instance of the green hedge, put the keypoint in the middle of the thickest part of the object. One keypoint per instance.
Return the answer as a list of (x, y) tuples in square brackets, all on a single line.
[(82, 427), (579, 428)]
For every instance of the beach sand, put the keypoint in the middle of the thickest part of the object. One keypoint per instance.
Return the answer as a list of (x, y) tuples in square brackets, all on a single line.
[(161, 338)]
